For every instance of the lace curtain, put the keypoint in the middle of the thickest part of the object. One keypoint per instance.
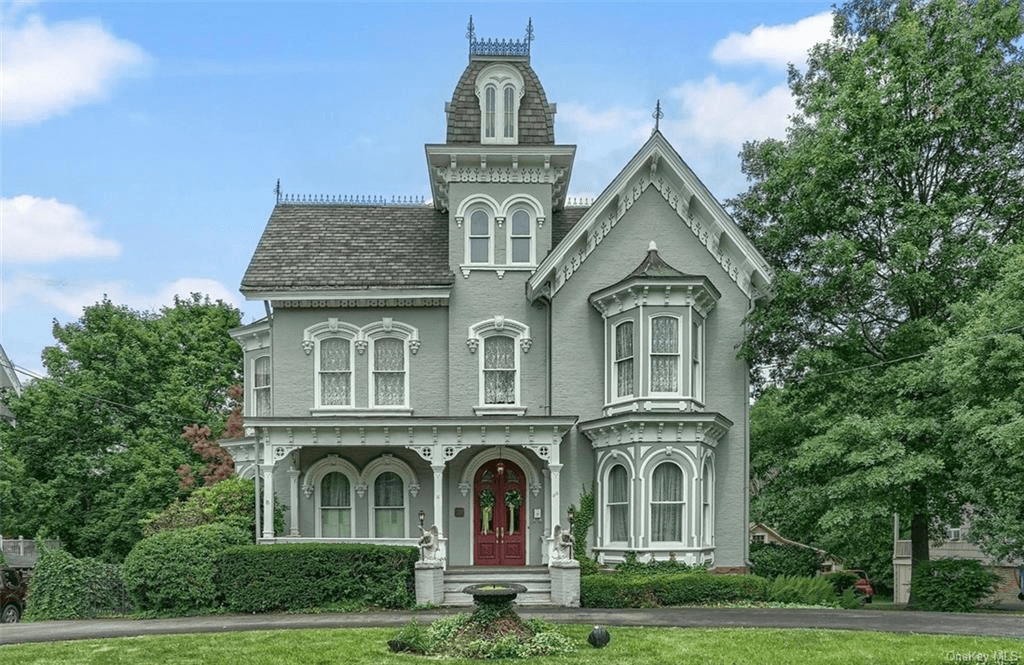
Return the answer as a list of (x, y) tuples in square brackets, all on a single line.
[(664, 355), (335, 506), (667, 503), (389, 371), (389, 506), (499, 370), (335, 369), (618, 503), (624, 359), (261, 386)]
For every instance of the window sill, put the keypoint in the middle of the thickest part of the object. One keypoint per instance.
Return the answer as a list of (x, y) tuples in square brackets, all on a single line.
[(655, 403), (499, 410), (500, 269), (359, 411)]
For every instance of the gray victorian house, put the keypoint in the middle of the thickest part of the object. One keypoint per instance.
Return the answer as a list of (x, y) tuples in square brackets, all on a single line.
[(474, 365)]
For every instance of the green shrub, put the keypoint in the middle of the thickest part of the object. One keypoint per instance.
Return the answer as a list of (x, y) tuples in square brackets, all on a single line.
[(693, 588), (462, 636), (264, 578), (950, 585), (842, 580), (772, 559), (173, 571), (849, 599), (3, 560), (64, 587), (802, 591), (631, 566), (230, 501), (588, 566)]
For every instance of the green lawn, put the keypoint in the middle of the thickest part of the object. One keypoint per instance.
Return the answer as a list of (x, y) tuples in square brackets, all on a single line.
[(629, 646)]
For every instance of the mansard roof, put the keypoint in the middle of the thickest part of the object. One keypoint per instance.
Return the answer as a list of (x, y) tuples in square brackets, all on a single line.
[(332, 246), (536, 116)]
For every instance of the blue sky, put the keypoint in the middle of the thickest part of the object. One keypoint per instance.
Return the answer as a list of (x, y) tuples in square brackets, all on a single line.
[(140, 142)]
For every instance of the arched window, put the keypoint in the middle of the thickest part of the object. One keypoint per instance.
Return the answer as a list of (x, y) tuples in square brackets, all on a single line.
[(624, 359), (668, 503), (509, 108), (388, 506), (335, 506), (480, 246), (707, 509), (334, 372), (665, 354), (261, 386), (499, 113), (489, 104), (389, 362), (520, 237), (500, 366), (618, 504)]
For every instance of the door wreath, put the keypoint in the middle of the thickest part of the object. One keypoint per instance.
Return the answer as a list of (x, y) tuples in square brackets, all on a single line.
[(486, 509), (513, 499)]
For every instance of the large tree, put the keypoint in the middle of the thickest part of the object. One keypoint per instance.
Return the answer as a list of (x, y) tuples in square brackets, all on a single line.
[(901, 175), (98, 441)]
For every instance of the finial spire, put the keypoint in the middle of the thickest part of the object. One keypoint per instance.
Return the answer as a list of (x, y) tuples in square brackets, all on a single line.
[(277, 190), (529, 34), (470, 30), (657, 115)]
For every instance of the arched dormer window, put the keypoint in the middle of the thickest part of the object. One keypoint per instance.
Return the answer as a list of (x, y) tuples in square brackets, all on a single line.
[(500, 344), (480, 238), (499, 88)]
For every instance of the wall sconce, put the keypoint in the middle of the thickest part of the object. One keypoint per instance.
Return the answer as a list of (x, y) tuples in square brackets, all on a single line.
[(422, 516)]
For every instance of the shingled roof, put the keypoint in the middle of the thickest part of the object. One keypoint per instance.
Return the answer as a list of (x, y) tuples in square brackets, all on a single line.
[(536, 123), (310, 247)]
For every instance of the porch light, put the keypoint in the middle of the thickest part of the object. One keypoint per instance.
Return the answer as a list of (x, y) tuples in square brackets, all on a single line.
[(501, 468), (422, 516)]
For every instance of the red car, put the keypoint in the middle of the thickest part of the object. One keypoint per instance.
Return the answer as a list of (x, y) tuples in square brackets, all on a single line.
[(863, 584), (13, 590)]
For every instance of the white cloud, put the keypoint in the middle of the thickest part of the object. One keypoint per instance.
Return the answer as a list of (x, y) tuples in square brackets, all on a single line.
[(624, 122), (716, 112), (774, 45), (37, 230), (50, 69), (68, 298)]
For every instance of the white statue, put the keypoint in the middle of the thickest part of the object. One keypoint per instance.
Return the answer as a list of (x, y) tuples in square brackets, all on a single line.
[(431, 550), (561, 544)]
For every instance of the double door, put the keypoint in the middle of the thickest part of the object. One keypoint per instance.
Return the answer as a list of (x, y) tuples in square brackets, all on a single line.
[(499, 515)]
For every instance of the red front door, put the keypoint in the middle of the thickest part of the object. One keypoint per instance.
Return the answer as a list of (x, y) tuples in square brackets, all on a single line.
[(499, 512)]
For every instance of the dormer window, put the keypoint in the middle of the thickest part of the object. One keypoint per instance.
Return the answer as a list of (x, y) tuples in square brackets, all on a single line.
[(499, 88)]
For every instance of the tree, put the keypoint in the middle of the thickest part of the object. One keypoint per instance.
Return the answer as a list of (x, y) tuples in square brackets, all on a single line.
[(97, 442), (900, 178), (983, 368)]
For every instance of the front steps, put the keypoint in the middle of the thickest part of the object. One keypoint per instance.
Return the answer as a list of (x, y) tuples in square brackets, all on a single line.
[(536, 579)]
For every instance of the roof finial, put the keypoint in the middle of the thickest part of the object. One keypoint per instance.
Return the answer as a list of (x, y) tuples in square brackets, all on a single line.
[(529, 34), (657, 115), (652, 247), (470, 31), (277, 190)]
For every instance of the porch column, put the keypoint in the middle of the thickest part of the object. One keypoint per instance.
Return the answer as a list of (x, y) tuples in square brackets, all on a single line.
[(293, 509), (556, 494), (268, 500), (438, 470)]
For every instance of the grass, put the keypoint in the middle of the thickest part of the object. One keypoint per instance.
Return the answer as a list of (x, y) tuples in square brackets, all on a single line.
[(629, 646)]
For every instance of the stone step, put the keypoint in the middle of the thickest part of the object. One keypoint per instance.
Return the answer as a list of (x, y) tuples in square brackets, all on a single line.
[(536, 579)]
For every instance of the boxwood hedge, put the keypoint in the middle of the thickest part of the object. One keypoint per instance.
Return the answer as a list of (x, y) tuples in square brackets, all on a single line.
[(264, 578), (690, 588)]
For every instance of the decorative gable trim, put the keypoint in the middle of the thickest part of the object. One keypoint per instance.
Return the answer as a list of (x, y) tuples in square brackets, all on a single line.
[(656, 165)]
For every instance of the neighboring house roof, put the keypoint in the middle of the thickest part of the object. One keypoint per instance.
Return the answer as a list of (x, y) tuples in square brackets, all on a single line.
[(657, 165), (776, 536), (8, 377), (330, 246), (536, 116)]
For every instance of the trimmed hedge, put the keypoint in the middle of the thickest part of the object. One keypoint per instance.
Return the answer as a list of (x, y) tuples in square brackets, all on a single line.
[(64, 587), (265, 578), (774, 559), (950, 585), (692, 588), (173, 571)]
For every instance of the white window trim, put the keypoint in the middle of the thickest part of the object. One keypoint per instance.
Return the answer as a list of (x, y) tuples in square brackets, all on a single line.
[(410, 488), (491, 221), (614, 380), (696, 380), (520, 334), (315, 474), (649, 354), (332, 329), (410, 338), (708, 503), (607, 512), (499, 76), (269, 387), (687, 525)]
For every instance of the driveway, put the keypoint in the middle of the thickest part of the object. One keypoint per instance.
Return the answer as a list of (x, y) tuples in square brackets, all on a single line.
[(993, 625)]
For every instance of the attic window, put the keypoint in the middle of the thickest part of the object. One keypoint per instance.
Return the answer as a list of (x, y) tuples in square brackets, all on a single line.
[(499, 88)]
